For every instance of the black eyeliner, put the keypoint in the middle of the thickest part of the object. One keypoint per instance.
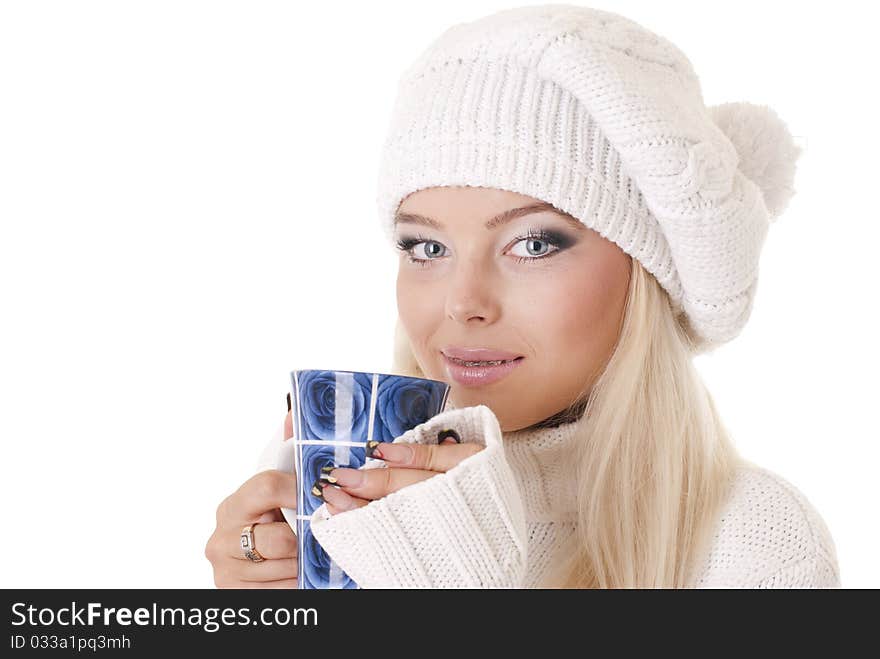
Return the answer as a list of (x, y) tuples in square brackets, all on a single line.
[(559, 240)]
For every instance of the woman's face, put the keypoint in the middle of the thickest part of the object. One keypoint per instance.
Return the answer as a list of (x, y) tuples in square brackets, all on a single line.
[(532, 284)]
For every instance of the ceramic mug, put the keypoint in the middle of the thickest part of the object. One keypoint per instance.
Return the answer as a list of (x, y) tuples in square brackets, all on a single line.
[(335, 413)]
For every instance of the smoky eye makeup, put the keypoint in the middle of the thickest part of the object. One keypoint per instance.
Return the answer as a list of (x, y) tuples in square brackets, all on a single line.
[(558, 240)]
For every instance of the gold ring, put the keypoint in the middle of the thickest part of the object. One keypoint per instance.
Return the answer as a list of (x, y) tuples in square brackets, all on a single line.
[(247, 544)]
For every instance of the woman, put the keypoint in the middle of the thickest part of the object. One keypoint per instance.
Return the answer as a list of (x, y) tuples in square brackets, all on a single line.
[(566, 208)]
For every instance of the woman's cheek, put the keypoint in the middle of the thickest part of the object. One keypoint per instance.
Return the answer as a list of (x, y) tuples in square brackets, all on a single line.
[(418, 307), (590, 319), (411, 299)]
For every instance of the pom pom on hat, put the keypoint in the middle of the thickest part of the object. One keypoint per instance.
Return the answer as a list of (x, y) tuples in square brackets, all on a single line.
[(767, 152)]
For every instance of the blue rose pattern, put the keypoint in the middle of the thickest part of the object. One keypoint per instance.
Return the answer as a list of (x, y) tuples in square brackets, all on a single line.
[(401, 404), (314, 565), (317, 392)]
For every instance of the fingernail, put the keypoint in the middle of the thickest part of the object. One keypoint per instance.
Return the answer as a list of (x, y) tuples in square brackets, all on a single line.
[(289, 405), (348, 477), (317, 489), (325, 474), (373, 451), (402, 453), (339, 499), (448, 433)]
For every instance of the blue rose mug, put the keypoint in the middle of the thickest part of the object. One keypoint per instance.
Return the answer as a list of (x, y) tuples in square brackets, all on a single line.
[(335, 413)]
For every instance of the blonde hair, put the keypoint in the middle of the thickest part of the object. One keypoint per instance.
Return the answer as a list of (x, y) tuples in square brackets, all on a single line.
[(655, 463)]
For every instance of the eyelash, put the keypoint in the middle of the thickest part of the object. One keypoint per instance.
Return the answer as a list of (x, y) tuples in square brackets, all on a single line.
[(406, 244)]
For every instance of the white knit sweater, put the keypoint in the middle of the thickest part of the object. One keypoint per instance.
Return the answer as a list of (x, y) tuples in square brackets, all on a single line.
[(497, 518)]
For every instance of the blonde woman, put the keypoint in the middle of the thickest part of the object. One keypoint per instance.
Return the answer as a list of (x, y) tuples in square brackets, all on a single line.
[(573, 226)]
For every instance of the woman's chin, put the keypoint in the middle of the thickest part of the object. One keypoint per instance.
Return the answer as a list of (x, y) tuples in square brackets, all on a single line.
[(468, 397)]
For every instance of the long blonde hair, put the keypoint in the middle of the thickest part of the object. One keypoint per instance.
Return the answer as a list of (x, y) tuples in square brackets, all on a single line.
[(655, 463)]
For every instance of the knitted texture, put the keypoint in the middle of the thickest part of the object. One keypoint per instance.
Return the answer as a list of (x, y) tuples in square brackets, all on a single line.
[(591, 112), (463, 528), (770, 536), (500, 517)]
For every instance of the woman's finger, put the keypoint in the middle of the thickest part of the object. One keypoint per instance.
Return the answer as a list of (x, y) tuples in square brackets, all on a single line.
[(338, 500), (282, 583), (374, 484), (274, 540), (431, 457), (262, 492), (270, 516), (268, 570), (406, 464), (288, 422)]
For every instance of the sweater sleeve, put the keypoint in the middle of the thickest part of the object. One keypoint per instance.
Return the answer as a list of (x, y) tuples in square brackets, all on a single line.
[(464, 528), (280, 454), (271, 452)]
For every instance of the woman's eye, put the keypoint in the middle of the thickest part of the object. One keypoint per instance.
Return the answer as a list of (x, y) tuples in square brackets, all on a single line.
[(535, 247), (420, 251), (430, 250), (538, 246)]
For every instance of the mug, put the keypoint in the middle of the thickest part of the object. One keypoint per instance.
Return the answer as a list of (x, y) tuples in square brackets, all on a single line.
[(335, 413)]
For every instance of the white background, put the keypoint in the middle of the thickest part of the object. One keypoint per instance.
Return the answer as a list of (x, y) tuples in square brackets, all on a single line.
[(187, 210)]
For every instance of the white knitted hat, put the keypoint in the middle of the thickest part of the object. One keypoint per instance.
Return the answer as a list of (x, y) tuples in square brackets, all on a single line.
[(591, 112)]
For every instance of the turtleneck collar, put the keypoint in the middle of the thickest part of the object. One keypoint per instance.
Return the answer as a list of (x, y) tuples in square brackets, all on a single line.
[(542, 458)]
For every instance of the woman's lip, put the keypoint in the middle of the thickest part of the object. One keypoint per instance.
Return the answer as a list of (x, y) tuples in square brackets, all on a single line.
[(476, 376), (478, 354)]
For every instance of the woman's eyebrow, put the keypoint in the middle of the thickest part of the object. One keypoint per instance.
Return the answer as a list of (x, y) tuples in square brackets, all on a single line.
[(498, 220)]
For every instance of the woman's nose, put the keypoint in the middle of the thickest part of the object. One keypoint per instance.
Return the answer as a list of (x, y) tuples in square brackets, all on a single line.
[(472, 296)]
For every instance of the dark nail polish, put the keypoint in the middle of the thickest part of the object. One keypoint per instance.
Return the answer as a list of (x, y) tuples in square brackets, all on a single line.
[(289, 405), (373, 450), (318, 489), (448, 432), (325, 474)]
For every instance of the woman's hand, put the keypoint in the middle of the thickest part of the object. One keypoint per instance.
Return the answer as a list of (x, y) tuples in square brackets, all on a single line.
[(259, 501), (406, 464)]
